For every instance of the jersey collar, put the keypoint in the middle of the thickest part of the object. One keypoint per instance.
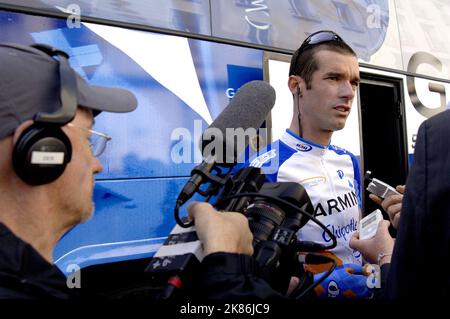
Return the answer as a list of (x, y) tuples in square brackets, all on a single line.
[(300, 144)]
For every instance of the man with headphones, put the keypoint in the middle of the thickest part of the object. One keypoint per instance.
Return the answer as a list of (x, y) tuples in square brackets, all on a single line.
[(47, 166)]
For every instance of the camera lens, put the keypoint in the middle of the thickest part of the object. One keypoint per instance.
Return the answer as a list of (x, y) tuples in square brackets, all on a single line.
[(263, 218)]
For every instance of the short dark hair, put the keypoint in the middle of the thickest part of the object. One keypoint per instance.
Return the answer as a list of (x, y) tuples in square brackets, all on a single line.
[(304, 64)]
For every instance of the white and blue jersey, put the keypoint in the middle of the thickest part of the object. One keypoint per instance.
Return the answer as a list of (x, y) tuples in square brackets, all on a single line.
[(330, 175)]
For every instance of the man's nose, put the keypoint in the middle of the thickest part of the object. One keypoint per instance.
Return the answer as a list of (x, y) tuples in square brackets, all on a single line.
[(98, 167), (348, 90)]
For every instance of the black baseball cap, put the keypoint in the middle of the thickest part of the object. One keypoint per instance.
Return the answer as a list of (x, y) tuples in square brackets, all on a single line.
[(29, 84)]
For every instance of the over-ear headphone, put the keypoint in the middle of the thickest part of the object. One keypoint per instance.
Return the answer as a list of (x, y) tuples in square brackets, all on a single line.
[(43, 150)]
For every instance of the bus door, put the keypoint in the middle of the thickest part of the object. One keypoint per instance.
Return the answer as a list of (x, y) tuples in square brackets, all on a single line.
[(384, 147)]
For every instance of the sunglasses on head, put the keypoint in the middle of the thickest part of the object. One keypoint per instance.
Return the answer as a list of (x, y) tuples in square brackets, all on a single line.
[(319, 38), (316, 38)]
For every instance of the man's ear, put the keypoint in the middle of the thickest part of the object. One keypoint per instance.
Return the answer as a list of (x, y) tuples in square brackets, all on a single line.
[(19, 130), (295, 84)]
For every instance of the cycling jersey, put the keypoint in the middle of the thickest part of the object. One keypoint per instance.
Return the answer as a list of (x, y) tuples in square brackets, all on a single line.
[(330, 175)]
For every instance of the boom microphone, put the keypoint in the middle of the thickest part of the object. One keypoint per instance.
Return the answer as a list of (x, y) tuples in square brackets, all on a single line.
[(248, 109)]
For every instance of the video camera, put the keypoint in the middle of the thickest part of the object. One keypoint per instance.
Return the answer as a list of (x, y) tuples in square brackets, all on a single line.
[(275, 211)]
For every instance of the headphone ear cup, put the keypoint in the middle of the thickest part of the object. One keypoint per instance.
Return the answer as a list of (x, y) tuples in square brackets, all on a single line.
[(41, 154)]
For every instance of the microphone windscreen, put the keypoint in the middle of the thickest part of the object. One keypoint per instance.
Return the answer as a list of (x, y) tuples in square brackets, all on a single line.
[(248, 109)]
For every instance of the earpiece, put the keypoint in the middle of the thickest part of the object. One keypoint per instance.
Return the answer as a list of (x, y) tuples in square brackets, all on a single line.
[(299, 95), (43, 150)]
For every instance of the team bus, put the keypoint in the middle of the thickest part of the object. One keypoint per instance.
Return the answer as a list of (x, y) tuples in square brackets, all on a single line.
[(185, 59)]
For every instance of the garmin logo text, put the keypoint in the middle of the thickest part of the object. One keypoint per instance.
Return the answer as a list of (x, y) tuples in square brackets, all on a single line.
[(337, 204), (416, 60), (258, 15)]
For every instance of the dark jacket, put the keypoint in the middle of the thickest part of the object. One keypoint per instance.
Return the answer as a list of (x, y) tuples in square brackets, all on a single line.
[(25, 274), (422, 249), (233, 277)]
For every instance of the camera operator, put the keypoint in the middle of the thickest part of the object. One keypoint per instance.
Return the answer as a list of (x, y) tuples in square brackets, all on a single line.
[(49, 158), (42, 198)]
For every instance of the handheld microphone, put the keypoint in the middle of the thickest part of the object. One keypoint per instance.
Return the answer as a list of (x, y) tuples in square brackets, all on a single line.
[(248, 109)]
